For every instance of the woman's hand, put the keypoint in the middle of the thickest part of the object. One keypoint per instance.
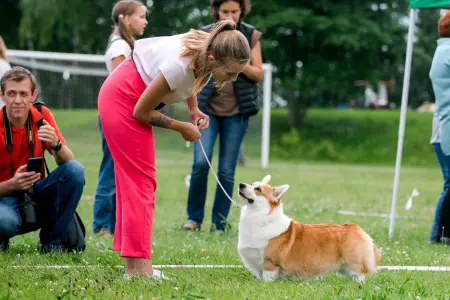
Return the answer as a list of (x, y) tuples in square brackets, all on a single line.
[(199, 119), (188, 131)]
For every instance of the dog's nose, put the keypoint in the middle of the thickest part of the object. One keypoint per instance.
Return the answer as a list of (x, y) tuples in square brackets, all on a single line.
[(242, 186)]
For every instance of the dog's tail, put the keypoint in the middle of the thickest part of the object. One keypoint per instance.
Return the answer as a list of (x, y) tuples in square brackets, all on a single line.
[(377, 254), (372, 255), (373, 258)]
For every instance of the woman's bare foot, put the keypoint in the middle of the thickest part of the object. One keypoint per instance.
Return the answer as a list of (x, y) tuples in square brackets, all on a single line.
[(141, 267), (106, 234), (138, 266)]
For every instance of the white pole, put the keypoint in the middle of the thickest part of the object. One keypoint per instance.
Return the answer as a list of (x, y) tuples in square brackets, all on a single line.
[(401, 130), (267, 96)]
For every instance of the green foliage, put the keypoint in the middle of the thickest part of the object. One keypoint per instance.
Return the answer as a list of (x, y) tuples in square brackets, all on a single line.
[(368, 137), (319, 48), (291, 138), (85, 26), (66, 26), (9, 22)]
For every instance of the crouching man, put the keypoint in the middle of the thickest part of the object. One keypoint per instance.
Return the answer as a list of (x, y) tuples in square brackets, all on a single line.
[(28, 200)]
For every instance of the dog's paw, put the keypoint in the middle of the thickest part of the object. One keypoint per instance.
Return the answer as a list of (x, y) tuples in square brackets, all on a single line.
[(270, 275), (358, 279)]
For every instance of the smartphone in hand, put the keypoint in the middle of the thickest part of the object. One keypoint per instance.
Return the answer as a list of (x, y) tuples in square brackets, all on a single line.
[(34, 164)]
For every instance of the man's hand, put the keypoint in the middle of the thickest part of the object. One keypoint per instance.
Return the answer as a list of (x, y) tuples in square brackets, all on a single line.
[(196, 116), (48, 134), (24, 180)]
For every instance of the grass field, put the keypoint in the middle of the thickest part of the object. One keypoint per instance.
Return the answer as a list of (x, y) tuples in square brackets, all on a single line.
[(318, 191)]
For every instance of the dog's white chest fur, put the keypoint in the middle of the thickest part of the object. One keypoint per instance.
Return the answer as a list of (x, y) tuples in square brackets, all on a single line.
[(255, 233)]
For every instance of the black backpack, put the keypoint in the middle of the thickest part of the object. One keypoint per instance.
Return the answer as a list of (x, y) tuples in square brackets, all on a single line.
[(76, 236)]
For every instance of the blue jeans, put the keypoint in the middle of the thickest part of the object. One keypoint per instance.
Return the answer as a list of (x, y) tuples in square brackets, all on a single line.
[(231, 131), (105, 195), (57, 197), (444, 162)]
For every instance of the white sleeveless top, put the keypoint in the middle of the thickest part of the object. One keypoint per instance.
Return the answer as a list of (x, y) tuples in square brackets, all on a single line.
[(117, 48), (162, 54)]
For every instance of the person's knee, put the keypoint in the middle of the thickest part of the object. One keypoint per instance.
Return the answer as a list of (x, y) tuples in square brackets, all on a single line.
[(73, 172), (9, 222), (200, 166), (226, 174)]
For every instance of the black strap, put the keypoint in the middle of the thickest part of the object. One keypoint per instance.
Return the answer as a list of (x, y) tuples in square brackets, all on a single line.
[(30, 135), (38, 105), (8, 134), (131, 55), (112, 41)]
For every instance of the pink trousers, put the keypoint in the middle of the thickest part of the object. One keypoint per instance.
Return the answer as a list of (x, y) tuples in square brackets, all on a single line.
[(132, 147)]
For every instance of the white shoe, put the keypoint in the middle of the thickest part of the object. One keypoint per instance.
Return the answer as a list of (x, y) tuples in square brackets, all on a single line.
[(157, 274), (127, 276), (187, 181)]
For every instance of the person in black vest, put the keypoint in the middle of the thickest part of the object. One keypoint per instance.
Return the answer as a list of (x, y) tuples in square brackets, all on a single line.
[(229, 110)]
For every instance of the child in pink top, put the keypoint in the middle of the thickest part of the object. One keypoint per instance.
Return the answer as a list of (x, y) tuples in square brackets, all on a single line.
[(161, 70)]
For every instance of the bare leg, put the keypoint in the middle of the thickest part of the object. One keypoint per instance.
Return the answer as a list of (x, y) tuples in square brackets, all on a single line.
[(138, 266)]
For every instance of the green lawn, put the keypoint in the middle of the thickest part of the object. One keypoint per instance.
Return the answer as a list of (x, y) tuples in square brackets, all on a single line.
[(318, 191)]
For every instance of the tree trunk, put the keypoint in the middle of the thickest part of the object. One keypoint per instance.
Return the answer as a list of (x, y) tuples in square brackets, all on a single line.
[(297, 109)]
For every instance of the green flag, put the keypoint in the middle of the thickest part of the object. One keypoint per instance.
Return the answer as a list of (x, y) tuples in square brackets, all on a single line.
[(429, 4)]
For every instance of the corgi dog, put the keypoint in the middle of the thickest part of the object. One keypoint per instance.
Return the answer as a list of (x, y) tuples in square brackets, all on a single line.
[(272, 245)]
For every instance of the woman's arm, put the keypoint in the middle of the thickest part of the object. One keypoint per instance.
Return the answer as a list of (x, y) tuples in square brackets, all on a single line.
[(188, 131), (196, 114), (152, 96), (160, 120), (254, 69), (191, 102), (144, 110), (116, 61)]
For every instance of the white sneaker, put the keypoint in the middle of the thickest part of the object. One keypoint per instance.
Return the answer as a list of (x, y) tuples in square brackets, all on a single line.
[(127, 276), (157, 274), (187, 181)]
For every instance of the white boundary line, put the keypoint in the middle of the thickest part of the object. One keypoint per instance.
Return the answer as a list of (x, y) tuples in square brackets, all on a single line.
[(119, 266), (369, 214), (416, 268), (388, 268)]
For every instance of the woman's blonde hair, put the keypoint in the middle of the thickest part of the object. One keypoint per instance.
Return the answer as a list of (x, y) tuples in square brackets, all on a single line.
[(121, 9), (3, 49), (224, 42)]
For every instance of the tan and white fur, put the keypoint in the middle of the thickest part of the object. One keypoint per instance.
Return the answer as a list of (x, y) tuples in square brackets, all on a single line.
[(272, 245)]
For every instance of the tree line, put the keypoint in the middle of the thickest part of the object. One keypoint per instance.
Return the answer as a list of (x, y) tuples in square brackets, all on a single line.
[(319, 48)]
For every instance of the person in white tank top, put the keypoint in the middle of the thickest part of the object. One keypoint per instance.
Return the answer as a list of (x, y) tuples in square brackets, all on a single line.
[(129, 17)]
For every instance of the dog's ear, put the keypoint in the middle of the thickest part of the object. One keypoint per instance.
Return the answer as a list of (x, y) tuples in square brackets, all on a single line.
[(266, 179), (280, 190)]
